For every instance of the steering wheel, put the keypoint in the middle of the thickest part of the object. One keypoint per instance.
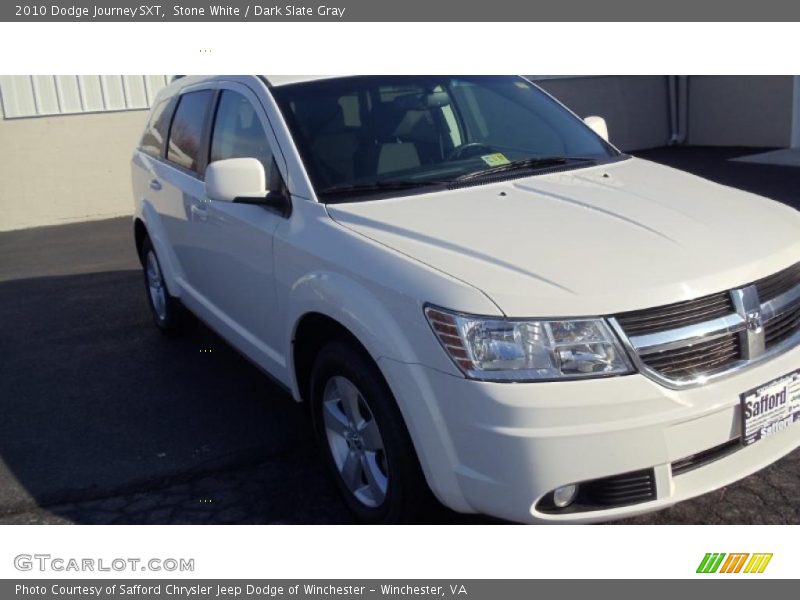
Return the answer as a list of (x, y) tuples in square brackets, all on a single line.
[(469, 150)]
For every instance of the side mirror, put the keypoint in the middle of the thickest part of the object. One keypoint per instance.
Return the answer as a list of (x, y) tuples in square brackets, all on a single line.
[(598, 125), (243, 180), (227, 180)]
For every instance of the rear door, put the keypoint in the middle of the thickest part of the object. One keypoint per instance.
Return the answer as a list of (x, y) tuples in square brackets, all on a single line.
[(181, 189)]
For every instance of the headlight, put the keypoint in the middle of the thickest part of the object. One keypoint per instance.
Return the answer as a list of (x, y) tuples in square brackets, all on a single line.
[(511, 350)]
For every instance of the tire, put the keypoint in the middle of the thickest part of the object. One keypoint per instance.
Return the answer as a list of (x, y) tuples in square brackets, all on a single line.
[(168, 313), (362, 436)]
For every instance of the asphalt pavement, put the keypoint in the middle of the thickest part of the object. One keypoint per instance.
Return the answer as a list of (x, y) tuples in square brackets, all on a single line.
[(99, 408), (105, 420)]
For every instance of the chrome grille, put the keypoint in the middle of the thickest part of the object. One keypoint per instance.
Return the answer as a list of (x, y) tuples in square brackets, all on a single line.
[(707, 356), (689, 343), (782, 327), (775, 285), (680, 314)]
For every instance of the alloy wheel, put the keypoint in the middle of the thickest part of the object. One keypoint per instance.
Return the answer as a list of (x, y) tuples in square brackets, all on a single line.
[(155, 285), (355, 441)]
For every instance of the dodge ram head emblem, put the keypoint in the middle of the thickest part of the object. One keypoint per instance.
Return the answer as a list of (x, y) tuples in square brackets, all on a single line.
[(753, 322)]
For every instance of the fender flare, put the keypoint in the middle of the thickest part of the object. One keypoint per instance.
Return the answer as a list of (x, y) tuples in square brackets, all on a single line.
[(357, 310)]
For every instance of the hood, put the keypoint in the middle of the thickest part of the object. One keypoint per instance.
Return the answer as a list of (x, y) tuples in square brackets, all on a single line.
[(592, 241)]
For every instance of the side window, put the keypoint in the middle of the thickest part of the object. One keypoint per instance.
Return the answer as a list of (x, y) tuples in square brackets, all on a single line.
[(186, 133), (238, 133), (156, 131)]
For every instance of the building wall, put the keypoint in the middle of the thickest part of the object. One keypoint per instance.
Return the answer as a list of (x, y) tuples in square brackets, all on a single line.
[(37, 95), (65, 145), (723, 110), (59, 169), (636, 108), (753, 111)]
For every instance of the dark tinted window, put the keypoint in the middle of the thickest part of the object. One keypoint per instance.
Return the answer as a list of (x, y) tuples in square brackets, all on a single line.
[(238, 133), (364, 131), (186, 133), (153, 138)]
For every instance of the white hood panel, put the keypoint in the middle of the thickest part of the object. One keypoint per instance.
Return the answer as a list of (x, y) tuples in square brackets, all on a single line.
[(592, 241)]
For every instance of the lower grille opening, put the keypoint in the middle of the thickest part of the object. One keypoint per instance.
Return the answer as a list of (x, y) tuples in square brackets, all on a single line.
[(705, 457), (609, 492), (630, 488)]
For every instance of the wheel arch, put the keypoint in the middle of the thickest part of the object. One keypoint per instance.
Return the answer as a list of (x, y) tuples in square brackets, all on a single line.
[(313, 331), (139, 235), (341, 307), (146, 224)]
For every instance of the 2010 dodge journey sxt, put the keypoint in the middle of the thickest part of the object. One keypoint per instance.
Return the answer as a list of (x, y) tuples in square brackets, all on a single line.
[(481, 300)]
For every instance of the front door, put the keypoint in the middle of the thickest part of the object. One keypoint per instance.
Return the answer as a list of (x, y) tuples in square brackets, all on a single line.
[(236, 279)]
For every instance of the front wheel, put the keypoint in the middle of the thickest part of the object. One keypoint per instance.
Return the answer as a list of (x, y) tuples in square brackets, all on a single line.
[(364, 439)]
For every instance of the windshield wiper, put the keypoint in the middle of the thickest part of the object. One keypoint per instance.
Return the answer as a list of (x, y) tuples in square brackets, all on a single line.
[(526, 163), (378, 186)]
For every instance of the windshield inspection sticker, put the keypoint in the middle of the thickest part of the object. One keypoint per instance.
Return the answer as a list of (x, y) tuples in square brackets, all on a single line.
[(495, 160)]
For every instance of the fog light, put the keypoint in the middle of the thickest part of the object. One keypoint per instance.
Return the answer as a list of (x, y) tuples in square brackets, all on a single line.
[(564, 496)]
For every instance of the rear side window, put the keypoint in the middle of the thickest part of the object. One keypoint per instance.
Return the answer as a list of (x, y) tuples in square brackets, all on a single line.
[(186, 133), (156, 131), (238, 133)]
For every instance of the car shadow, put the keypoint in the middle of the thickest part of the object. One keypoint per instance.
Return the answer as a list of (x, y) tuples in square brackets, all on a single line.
[(106, 420)]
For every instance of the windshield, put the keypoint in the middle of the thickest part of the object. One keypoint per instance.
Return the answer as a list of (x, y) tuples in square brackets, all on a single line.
[(386, 135)]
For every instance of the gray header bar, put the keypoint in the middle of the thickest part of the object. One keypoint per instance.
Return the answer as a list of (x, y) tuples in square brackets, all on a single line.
[(373, 589), (402, 10)]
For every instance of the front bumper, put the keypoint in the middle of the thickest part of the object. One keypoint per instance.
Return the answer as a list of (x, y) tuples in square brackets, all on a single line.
[(500, 448)]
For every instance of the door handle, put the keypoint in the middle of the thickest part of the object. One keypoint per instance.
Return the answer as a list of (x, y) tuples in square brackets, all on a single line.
[(200, 213), (155, 184)]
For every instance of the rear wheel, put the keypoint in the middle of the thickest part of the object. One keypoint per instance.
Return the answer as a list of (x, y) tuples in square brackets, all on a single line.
[(364, 439), (168, 313)]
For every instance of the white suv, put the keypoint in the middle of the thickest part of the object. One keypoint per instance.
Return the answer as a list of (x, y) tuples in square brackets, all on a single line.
[(477, 294)]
